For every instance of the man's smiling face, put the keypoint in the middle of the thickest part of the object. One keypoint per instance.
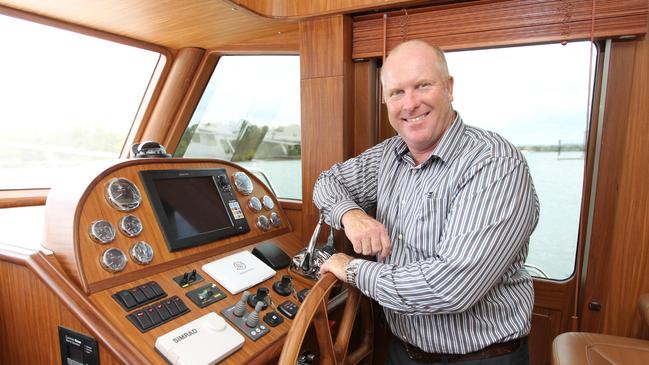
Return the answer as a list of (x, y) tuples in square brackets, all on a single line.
[(418, 97)]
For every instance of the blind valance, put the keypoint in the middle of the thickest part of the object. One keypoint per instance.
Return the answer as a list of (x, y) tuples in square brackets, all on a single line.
[(480, 24)]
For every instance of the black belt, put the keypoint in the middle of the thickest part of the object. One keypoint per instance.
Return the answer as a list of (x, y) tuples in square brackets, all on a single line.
[(497, 349)]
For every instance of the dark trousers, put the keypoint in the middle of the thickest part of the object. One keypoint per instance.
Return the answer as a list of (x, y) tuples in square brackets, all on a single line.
[(397, 355)]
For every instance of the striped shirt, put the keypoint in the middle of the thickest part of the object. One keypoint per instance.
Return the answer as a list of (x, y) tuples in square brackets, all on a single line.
[(459, 224)]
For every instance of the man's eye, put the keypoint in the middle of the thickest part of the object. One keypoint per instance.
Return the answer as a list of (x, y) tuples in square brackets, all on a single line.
[(425, 85), (396, 93)]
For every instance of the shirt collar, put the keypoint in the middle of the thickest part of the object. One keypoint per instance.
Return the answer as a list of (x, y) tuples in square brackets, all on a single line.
[(445, 149)]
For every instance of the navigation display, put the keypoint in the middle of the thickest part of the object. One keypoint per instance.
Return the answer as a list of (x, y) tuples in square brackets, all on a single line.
[(194, 207)]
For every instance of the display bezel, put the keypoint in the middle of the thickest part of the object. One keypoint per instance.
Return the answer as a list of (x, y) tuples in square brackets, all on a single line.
[(222, 184)]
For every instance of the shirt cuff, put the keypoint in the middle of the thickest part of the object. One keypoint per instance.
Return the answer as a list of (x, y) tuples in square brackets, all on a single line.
[(367, 276), (339, 210)]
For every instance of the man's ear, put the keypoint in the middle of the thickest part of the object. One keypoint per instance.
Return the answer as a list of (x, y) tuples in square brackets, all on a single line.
[(449, 87)]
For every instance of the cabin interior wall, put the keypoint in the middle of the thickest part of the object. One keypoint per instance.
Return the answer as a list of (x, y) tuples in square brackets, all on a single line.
[(618, 261), (326, 84), (29, 329)]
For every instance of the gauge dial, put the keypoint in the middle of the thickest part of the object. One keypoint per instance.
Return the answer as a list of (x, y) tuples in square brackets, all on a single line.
[(242, 182), (275, 220), (122, 194), (254, 204), (268, 202), (130, 225), (263, 223), (113, 260), (102, 231), (142, 252)]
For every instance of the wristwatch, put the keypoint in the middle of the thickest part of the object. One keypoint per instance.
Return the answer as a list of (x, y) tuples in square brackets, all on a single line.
[(351, 270)]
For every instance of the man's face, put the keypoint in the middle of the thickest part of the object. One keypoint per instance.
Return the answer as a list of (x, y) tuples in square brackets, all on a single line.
[(418, 98)]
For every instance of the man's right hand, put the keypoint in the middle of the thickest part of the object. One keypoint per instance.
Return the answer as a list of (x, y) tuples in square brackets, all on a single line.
[(367, 235)]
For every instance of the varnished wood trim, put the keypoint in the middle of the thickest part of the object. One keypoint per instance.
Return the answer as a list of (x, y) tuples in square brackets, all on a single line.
[(22, 197), (173, 92), (291, 204), (299, 9), (71, 208), (480, 24), (84, 310), (84, 30)]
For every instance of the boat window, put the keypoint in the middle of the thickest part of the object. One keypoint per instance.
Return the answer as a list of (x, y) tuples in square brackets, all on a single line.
[(22, 226), (250, 114), (67, 99), (537, 98)]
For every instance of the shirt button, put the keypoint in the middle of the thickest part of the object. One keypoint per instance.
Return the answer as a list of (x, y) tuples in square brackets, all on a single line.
[(403, 201), (400, 236)]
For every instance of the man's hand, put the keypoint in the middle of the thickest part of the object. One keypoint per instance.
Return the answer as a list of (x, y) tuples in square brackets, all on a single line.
[(336, 265), (367, 235)]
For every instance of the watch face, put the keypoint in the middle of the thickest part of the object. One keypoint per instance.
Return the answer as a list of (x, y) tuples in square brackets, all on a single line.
[(102, 231), (275, 221), (122, 194), (268, 202), (242, 182), (254, 204), (130, 225), (113, 260), (142, 252), (263, 223)]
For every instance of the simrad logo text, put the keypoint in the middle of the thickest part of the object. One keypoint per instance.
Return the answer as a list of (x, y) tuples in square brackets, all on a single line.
[(192, 331)]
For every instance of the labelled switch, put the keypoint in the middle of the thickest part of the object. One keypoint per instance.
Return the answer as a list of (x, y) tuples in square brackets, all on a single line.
[(284, 287), (273, 319), (288, 309), (188, 278)]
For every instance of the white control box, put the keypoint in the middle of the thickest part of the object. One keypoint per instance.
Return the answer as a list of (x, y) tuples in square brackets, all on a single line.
[(203, 341)]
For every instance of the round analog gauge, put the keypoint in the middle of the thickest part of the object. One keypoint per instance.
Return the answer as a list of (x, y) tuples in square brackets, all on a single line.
[(130, 225), (142, 252), (122, 194), (102, 231), (113, 260), (275, 220), (254, 204), (242, 182), (263, 223), (268, 202)]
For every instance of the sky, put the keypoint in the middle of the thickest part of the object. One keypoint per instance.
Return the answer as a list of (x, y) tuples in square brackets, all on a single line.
[(98, 82), (264, 89), (531, 95)]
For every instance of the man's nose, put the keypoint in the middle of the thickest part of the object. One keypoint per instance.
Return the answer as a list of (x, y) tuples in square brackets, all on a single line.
[(410, 100)]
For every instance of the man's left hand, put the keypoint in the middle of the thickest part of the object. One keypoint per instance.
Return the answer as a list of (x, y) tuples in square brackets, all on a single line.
[(336, 265)]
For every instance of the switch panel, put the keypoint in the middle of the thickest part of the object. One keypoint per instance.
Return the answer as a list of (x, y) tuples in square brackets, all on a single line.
[(140, 295), (158, 313)]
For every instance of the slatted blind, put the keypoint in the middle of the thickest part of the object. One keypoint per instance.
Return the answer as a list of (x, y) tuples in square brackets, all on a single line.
[(489, 23)]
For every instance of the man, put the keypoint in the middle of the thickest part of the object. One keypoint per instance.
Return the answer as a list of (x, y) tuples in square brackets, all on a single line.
[(455, 207)]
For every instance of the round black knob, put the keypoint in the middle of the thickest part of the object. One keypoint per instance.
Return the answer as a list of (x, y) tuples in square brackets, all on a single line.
[(284, 287), (260, 296)]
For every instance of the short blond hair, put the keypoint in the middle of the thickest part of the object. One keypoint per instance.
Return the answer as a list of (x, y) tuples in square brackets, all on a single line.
[(440, 58)]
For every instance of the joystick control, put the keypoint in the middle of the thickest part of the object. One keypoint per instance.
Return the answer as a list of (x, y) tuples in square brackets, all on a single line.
[(285, 286), (253, 318), (240, 308), (260, 297)]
